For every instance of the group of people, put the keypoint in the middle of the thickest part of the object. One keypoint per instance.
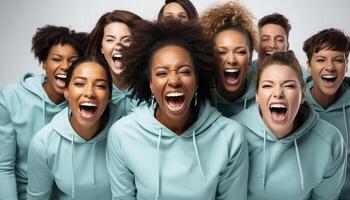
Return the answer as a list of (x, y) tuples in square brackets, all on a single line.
[(177, 109)]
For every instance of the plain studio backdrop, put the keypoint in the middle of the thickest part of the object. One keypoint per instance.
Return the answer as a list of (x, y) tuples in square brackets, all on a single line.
[(20, 18)]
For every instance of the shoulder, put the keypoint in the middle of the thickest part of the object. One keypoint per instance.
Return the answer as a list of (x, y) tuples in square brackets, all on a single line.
[(327, 133)]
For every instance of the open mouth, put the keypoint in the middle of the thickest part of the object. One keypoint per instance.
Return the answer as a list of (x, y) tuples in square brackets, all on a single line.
[(232, 75), (268, 53), (278, 111), (61, 80), (117, 60), (329, 78), (175, 100), (87, 110)]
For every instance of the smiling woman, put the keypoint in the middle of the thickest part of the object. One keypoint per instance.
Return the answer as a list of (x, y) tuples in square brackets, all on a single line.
[(177, 146), (80, 129), (287, 140), (27, 106)]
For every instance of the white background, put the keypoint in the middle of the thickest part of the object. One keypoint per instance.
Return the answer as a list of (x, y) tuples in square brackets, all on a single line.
[(20, 18)]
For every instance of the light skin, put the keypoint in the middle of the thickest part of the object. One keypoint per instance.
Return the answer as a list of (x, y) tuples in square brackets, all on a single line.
[(172, 72), (323, 64), (272, 38), (88, 86), (279, 85), (175, 10), (58, 61), (233, 50), (116, 34)]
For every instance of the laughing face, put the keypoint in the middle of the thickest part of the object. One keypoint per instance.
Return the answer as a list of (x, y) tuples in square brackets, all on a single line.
[(272, 38), (87, 94), (232, 48), (116, 35), (328, 70), (173, 83), (279, 96), (58, 61)]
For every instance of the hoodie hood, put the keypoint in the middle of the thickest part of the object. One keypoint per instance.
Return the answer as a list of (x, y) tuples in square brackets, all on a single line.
[(123, 100), (228, 108), (207, 115)]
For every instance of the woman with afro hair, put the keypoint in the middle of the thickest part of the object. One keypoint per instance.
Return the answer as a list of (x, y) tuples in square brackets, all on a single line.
[(231, 27), (175, 146)]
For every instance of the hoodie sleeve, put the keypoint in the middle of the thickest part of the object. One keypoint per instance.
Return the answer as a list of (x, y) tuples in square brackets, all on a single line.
[(334, 177), (121, 178), (40, 178), (8, 187), (233, 179)]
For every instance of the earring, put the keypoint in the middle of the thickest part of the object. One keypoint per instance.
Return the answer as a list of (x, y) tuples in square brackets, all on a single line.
[(195, 99), (152, 101)]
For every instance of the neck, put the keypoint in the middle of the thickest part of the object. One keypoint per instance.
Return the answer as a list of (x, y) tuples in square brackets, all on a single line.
[(322, 99), (232, 96), (117, 81), (178, 125), (87, 133), (53, 96)]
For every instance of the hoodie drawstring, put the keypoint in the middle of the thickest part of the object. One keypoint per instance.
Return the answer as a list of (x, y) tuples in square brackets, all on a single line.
[(299, 165), (158, 163), (92, 163), (44, 109), (245, 103), (345, 123), (264, 160), (197, 155), (72, 153)]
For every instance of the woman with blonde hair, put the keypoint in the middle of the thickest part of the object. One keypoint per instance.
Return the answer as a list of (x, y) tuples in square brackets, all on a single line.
[(231, 26)]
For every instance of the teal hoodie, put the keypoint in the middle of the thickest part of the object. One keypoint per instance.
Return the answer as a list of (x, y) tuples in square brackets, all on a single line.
[(57, 154), (310, 163), (338, 114), (146, 160), (123, 100), (228, 108), (24, 109)]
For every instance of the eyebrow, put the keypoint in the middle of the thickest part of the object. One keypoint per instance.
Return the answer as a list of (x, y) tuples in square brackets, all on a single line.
[(284, 82), (84, 78)]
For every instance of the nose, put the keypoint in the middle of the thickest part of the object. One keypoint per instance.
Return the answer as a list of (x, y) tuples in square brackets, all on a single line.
[(272, 44), (65, 64), (118, 46), (174, 79), (278, 92), (89, 91), (231, 59), (329, 65)]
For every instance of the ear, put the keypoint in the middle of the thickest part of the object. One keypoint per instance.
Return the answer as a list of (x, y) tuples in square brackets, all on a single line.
[(308, 67), (102, 51), (65, 93), (256, 98), (287, 45)]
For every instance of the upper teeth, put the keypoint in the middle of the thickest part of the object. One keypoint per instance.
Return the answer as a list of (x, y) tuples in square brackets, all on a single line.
[(329, 76), (231, 70), (117, 56), (88, 104), (175, 94), (61, 75), (277, 105), (269, 52)]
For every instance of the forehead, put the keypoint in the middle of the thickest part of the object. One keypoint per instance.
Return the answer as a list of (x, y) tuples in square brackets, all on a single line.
[(272, 30), (63, 50), (278, 73), (90, 70), (230, 36), (116, 28), (171, 55), (329, 53), (173, 7)]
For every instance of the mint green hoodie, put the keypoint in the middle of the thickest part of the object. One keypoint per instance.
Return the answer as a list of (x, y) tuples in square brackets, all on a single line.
[(123, 100), (310, 163), (228, 108), (338, 114), (146, 160), (24, 109), (57, 154)]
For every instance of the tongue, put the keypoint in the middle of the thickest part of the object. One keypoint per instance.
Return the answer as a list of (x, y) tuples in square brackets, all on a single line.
[(60, 82), (175, 103), (278, 116), (118, 64), (87, 112), (231, 78)]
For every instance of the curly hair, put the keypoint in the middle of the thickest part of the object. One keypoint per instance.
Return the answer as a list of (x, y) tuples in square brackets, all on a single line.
[(277, 19), (331, 39), (48, 36), (149, 37), (95, 39), (185, 4), (230, 15)]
